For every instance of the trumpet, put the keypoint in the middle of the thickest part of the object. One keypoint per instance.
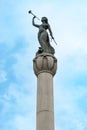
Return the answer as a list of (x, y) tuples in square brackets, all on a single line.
[(30, 12)]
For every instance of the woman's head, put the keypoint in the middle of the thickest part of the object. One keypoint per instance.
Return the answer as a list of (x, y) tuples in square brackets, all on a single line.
[(44, 19)]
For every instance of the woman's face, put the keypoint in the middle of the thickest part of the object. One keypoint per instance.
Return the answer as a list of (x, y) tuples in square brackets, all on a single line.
[(43, 21)]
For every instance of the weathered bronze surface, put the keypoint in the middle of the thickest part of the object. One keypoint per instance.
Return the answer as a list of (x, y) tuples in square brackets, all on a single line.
[(43, 36)]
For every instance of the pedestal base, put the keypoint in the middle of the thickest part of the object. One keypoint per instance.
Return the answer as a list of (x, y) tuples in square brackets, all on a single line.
[(45, 66)]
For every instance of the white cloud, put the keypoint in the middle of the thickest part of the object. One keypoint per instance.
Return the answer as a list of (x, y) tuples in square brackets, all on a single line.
[(67, 110), (3, 76), (24, 122), (23, 69), (19, 102), (71, 51)]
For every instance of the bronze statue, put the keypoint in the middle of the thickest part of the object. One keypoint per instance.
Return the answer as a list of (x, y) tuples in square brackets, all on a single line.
[(43, 36)]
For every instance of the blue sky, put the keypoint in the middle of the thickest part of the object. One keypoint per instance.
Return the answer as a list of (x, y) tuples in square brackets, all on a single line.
[(18, 45)]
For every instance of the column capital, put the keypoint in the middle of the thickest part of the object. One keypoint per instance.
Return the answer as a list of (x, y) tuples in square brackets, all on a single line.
[(45, 62)]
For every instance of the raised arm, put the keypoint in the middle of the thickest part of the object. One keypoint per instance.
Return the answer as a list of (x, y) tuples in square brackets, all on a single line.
[(33, 23)]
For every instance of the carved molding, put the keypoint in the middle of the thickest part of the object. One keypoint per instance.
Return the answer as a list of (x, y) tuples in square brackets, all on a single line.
[(45, 62)]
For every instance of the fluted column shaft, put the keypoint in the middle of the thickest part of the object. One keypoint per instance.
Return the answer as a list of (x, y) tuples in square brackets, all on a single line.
[(45, 66)]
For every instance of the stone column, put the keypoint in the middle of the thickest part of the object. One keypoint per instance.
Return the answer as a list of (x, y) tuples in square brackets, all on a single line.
[(45, 66)]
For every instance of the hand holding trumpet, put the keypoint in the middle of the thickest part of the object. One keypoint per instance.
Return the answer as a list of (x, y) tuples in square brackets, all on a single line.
[(30, 12)]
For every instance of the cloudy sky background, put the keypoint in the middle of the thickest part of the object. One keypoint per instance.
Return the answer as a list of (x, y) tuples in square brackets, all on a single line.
[(18, 45)]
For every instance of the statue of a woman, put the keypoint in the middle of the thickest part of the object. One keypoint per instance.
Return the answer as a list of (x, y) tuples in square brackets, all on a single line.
[(43, 36)]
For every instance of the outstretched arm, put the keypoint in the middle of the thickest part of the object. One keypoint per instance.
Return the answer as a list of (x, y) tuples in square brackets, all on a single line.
[(33, 23), (50, 31)]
